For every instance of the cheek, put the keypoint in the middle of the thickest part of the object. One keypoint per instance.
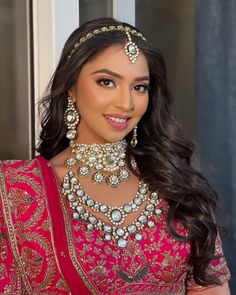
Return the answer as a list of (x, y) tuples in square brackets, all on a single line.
[(91, 98), (142, 105)]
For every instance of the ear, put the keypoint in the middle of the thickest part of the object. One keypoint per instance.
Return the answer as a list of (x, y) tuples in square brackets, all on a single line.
[(72, 93)]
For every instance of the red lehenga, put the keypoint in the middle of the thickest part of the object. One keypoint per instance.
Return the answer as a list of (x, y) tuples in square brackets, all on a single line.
[(44, 251)]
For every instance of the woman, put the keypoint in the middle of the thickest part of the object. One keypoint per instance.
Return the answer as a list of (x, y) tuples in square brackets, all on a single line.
[(112, 204)]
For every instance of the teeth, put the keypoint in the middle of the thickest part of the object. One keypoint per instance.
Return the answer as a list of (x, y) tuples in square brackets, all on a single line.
[(117, 120)]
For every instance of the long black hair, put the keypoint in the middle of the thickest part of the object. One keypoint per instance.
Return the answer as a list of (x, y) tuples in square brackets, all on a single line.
[(162, 154)]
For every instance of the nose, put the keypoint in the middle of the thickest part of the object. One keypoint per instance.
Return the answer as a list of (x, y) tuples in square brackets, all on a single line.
[(124, 100)]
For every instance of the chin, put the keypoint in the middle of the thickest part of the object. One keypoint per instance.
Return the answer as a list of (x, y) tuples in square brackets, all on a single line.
[(114, 138)]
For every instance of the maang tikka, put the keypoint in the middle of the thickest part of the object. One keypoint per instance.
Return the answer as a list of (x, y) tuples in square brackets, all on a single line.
[(131, 49), (71, 118)]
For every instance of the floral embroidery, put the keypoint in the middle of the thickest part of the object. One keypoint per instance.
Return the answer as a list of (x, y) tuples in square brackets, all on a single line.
[(156, 265), (28, 264), (33, 261), (29, 233)]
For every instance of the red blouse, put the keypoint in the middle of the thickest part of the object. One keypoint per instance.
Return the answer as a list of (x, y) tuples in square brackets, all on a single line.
[(44, 251)]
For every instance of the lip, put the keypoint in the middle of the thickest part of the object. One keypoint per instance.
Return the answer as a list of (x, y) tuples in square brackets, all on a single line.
[(117, 125), (119, 116)]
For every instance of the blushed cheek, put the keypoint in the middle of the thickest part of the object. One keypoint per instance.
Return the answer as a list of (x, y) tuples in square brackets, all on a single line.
[(144, 106)]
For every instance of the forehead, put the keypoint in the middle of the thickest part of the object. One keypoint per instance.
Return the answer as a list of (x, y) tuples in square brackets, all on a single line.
[(114, 58)]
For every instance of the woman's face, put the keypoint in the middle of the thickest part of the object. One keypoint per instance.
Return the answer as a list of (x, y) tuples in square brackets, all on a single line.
[(111, 95)]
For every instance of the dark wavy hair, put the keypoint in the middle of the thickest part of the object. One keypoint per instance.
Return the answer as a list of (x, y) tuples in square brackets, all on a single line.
[(162, 154)]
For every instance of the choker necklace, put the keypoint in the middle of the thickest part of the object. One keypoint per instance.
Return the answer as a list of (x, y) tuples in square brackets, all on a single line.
[(116, 215), (105, 159)]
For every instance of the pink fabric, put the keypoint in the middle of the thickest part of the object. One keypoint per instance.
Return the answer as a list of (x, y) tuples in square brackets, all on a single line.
[(155, 265), (27, 259), (74, 282), (35, 256)]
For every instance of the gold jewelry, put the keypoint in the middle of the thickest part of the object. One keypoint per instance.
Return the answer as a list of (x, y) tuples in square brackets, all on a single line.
[(134, 139), (71, 118), (131, 49), (108, 158)]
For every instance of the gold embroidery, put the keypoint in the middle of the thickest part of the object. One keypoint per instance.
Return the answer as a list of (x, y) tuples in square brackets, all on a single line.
[(33, 261), (128, 269), (31, 247), (22, 201), (11, 230), (138, 276), (48, 224), (45, 284), (38, 238), (71, 246)]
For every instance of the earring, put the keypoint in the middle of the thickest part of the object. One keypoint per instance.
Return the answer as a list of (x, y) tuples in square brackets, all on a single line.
[(71, 118), (134, 139)]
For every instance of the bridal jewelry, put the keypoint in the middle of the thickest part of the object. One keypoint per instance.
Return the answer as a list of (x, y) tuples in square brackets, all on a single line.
[(131, 49), (107, 158), (116, 215), (134, 139), (71, 118)]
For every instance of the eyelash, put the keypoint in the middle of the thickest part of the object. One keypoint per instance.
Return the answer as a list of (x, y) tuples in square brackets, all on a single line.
[(144, 86), (102, 82), (136, 87)]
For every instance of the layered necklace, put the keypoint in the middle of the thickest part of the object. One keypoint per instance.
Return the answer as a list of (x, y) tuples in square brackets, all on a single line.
[(107, 162), (109, 158)]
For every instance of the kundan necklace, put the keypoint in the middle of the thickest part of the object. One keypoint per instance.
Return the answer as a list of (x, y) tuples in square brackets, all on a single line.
[(108, 158), (108, 161), (77, 198), (116, 215)]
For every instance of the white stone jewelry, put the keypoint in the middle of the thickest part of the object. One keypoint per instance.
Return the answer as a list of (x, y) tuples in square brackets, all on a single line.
[(116, 215), (134, 139), (120, 234), (131, 49), (106, 158), (71, 118)]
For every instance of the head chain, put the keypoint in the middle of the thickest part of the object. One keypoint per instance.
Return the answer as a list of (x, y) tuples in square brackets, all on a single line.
[(127, 30)]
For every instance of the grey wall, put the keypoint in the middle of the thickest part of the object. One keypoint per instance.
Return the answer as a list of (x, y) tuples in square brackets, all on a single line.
[(216, 109)]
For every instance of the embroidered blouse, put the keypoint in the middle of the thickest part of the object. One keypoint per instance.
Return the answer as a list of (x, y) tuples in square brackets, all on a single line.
[(44, 251)]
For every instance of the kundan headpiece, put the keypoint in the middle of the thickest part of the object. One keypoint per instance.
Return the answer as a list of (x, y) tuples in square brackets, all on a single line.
[(131, 49)]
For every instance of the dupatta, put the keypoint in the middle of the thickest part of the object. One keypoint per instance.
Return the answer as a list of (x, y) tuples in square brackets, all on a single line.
[(38, 259)]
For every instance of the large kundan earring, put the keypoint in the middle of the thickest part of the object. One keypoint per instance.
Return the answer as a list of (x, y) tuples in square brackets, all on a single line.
[(134, 139), (71, 117)]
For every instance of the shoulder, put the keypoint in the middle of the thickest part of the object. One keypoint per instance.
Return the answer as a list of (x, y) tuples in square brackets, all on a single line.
[(9, 165), (10, 168), (20, 174), (22, 187)]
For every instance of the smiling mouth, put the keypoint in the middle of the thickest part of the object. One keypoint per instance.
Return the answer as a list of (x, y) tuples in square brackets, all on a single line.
[(117, 120)]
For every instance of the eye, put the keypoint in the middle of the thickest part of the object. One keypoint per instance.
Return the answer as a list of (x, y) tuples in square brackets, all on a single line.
[(106, 82), (141, 87)]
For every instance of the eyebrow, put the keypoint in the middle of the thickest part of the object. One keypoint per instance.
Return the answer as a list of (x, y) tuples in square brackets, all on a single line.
[(109, 72)]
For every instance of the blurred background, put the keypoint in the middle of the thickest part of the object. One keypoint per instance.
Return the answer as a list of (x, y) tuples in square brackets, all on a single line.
[(198, 38)]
